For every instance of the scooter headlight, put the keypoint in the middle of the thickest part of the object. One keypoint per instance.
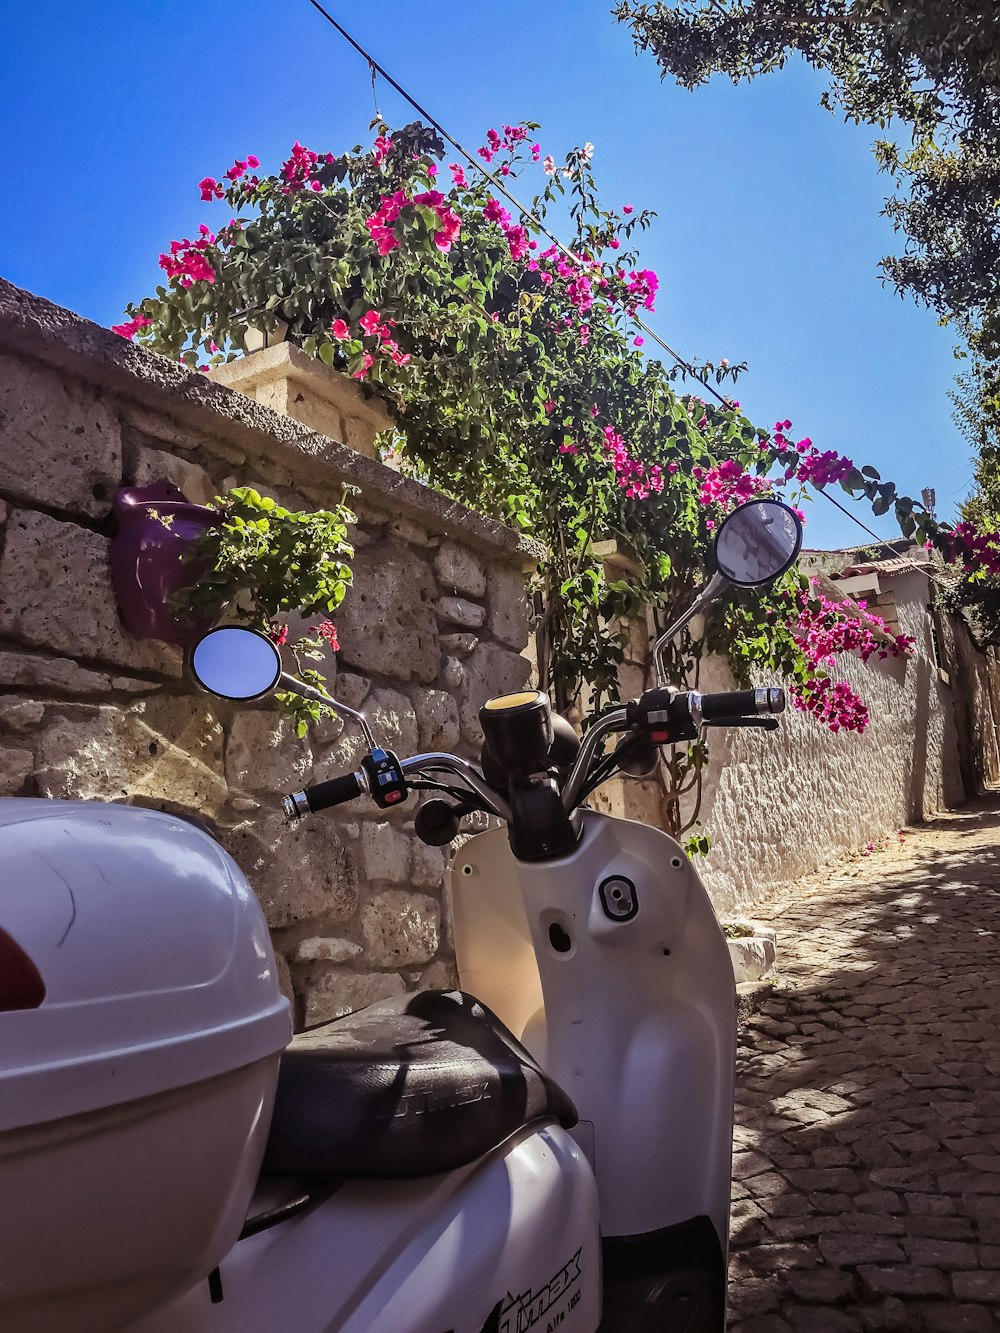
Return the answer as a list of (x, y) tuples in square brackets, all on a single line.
[(518, 730)]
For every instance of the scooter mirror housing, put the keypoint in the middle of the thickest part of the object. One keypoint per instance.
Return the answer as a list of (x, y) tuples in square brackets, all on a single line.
[(234, 662), (757, 543)]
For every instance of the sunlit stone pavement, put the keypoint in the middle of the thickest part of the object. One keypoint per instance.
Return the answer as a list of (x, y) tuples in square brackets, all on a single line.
[(867, 1152)]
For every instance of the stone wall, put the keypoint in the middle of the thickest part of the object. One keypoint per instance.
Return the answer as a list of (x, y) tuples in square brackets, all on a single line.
[(434, 624)]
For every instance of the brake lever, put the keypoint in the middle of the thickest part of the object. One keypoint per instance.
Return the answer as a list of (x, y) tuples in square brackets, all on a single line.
[(768, 723)]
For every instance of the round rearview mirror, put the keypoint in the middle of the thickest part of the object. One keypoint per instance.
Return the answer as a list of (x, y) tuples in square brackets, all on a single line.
[(758, 542), (236, 663)]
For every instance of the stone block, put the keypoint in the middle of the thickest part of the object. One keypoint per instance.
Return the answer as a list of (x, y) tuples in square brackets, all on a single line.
[(299, 872), (428, 866), (453, 673), (400, 928), (143, 466), (461, 612), (60, 444), (326, 949), (16, 764), (286, 380), (61, 673), (490, 670), (165, 748), (387, 622), (459, 644), (441, 975), (459, 571), (284, 978), (507, 598), (386, 853), (17, 714), (55, 593), (263, 753), (437, 719), (334, 993)]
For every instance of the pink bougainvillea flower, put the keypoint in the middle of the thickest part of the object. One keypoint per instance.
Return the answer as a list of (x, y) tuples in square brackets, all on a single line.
[(253, 162), (626, 209), (133, 326), (536, 152), (370, 321), (277, 633), (495, 212), (367, 361), (210, 188), (340, 329), (381, 149), (297, 170), (458, 175), (549, 165), (638, 342)]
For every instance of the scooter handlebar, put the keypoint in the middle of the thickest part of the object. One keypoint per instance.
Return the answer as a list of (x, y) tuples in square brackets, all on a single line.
[(323, 795), (733, 704)]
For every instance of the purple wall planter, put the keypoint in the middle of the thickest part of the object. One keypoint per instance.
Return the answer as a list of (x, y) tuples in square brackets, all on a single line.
[(147, 560)]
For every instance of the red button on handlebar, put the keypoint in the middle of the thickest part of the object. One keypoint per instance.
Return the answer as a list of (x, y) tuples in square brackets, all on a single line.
[(391, 797)]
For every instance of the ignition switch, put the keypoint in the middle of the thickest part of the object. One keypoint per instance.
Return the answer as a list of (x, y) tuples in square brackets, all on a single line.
[(618, 898)]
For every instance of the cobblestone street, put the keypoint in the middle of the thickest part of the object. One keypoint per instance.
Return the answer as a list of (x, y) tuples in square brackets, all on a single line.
[(867, 1153)]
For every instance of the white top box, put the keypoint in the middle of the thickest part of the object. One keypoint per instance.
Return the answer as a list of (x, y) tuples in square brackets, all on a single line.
[(157, 964)]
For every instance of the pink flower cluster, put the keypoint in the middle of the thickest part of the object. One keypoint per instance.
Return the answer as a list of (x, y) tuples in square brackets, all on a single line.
[(186, 260), (133, 326), (516, 235), (728, 485), (372, 326), (632, 475), (381, 149), (212, 189), (842, 627), (239, 168), (976, 550), (297, 170), (640, 290), (813, 467), (834, 703), (381, 225), (511, 137)]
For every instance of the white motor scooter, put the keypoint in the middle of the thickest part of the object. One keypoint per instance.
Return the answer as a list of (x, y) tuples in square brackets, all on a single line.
[(548, 1148)]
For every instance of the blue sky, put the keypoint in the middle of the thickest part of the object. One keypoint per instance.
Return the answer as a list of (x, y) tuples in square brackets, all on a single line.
[(768, 236)]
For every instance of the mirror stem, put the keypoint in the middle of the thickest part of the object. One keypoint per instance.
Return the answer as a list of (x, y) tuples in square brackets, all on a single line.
[(287, 682), (708, 594)]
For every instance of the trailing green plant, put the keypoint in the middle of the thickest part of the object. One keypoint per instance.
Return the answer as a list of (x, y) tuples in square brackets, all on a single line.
[(262, 564)]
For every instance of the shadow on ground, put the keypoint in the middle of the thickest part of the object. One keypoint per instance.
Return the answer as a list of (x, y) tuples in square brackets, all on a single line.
[(867, 1155)]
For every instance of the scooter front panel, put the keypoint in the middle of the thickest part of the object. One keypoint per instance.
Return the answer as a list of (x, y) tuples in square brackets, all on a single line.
[(628, 1002)]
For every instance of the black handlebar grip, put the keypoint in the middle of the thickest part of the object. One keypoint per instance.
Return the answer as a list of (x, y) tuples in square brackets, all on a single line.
[(741, 703), (323, 795)]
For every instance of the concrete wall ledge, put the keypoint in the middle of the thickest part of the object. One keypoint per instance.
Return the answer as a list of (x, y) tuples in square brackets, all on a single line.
[(35, 328)]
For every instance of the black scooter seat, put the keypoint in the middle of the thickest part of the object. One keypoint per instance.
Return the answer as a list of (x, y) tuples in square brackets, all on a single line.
[(412, 1086)]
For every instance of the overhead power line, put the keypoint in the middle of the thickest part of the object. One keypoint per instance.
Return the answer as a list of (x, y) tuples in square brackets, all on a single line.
[(532, 216)]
